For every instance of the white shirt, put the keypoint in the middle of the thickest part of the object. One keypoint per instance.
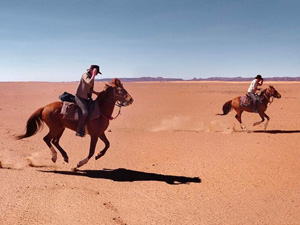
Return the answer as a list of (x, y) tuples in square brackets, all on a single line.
[(253, 86)]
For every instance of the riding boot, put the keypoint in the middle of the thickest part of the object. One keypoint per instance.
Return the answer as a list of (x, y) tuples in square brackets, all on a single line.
[(80, 126), (254, 106)]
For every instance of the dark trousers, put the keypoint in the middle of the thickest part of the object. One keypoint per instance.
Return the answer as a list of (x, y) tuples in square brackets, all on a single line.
[(253, 97), (83, 105)]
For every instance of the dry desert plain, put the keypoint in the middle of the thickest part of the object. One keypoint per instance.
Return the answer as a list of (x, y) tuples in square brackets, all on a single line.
[(172, 160)]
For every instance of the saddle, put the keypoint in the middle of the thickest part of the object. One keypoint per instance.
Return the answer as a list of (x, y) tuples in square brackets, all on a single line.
[(70, 111), (247, 101)]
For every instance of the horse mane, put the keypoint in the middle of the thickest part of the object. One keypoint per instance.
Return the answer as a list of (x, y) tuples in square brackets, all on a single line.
[(114, 83), (106, 86), (101, 94), (263, 92)]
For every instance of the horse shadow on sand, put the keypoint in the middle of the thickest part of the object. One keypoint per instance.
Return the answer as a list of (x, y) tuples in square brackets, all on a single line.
[(124, 175), (276, 131)]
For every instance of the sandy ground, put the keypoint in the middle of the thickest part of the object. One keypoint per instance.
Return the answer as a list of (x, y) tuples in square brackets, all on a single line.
[(161, 146)]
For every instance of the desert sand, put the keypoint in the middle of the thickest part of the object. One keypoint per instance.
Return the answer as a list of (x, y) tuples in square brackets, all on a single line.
[(172, 160)]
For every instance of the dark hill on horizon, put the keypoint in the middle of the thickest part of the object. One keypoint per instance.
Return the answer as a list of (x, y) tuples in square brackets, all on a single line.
[(160, 79)]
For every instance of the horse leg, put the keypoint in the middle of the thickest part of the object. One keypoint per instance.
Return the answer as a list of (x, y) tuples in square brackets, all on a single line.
[(48, 139), (55, 142), (268, 119), (107, 144), (94, 140), (261, 114), (238, 116)]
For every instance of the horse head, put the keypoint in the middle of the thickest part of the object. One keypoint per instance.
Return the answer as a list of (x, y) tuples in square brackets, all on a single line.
[(117, 93), (273, 92)]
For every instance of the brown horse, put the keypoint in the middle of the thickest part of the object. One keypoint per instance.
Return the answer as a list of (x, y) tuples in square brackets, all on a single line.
[(264, 97), (113, 94)]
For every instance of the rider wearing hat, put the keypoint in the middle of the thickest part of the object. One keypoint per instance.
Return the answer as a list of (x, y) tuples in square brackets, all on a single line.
[(83, 94), (258, 81)]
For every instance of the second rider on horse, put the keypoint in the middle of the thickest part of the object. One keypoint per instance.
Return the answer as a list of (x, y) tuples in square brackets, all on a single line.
[(258, 81)]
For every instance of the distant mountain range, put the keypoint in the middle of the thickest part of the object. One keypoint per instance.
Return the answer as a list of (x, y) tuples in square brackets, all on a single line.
[(145, 79)]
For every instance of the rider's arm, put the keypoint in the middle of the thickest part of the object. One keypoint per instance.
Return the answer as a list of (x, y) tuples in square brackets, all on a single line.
[(261, 82), (95, 92), (88, 80)]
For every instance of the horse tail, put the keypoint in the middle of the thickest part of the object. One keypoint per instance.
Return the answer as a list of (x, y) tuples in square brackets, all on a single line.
[(34, 124), (226, 108)]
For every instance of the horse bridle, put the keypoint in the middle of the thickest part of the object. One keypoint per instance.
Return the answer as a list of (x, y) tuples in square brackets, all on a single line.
[(124, 97), (116, 103), (270, 98), (111, 118)]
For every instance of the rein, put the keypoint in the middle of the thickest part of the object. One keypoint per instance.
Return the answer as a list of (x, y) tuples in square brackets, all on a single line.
[(116, 104), (111, 118), (268, 97)]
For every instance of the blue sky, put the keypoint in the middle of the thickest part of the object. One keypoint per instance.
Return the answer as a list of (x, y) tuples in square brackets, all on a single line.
[(57, 40)]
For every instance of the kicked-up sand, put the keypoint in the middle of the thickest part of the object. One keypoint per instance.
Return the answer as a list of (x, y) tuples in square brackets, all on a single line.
[(172, 160)]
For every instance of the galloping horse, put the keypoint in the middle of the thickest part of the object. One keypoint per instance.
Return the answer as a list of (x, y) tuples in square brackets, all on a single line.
[(264, 97), (114, 93)]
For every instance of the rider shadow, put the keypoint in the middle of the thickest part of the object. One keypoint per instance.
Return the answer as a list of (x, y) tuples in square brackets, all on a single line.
[(276, 131), (123, 175)]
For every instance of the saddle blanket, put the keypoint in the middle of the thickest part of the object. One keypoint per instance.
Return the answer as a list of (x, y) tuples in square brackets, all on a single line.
[(70, 111), (246, 101)]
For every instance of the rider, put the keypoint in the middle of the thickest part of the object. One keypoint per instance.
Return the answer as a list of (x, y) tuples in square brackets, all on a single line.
[(258, 81), (83, 94)]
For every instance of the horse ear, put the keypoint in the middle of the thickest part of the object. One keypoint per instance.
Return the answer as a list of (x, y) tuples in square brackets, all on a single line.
[(271, 86), (116, 82)]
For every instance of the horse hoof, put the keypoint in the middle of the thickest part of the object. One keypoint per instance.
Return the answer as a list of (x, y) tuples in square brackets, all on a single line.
[(66, 160), (54, 158), (82, 162), (243, 128), (266, 126), (99, 156), (74, 169)]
